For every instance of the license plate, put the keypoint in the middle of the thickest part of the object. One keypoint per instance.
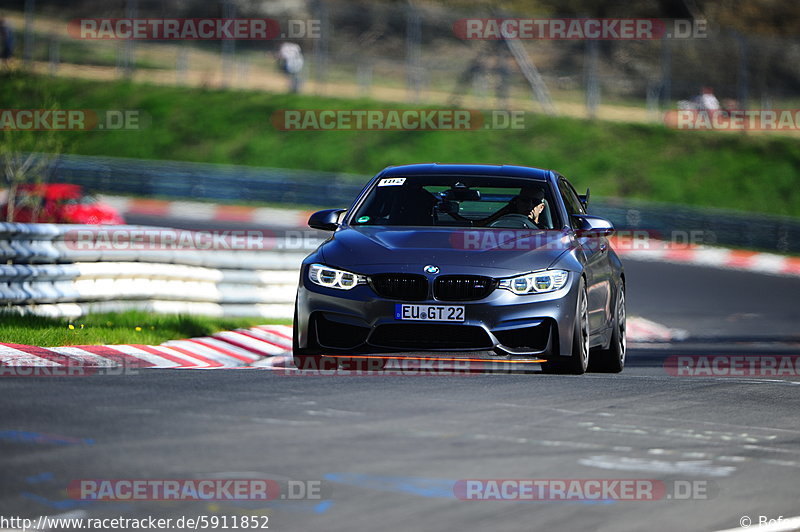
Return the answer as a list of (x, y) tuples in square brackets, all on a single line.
[(428, 312)]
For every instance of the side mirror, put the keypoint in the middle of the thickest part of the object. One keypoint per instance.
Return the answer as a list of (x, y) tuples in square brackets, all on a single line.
[(593, 225), (584, 199), (327, 220)]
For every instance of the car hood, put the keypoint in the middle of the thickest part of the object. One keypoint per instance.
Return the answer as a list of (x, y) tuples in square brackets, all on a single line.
[(366, 249)]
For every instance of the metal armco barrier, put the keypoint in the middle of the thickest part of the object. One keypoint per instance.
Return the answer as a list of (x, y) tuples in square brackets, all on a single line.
[(220, 182), (71, 270)]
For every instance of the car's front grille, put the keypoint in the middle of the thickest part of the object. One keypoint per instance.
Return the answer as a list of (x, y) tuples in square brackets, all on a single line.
[(430, 336), (462, 287), (403, 286)]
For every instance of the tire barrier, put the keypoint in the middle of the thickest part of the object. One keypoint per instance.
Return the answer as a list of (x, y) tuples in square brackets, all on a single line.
[(72, 270)]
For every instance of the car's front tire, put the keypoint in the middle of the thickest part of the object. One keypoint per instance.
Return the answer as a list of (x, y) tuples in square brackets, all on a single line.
[(578, 362), (612, 360)]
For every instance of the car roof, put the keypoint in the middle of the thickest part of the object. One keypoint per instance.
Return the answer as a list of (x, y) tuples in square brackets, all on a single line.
[(53, 190), (505, 170)]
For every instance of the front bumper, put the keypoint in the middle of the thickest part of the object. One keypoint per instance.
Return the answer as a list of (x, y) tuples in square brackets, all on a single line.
[(508, 326)]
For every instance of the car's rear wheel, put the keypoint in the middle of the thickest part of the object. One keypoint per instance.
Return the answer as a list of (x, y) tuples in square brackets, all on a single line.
[(308, 358), (612, 360), (578, 362)]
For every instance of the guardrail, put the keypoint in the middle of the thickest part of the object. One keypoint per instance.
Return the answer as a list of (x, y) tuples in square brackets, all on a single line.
[(219, 182), (708, 226), (71, 270)]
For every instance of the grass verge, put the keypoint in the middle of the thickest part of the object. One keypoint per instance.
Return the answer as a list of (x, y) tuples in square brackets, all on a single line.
[(132, 327), (757, 173)]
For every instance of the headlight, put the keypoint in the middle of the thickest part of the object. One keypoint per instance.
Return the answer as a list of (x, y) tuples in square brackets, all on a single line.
[(333, 278), (536, 282)]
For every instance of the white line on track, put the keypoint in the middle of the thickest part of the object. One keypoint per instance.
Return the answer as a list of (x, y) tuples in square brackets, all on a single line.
[(682, 467)]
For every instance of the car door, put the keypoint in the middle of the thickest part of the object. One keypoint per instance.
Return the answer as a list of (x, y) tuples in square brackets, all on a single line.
[(598, 266)]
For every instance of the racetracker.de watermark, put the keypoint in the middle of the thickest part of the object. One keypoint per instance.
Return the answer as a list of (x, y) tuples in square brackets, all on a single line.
[(73, 368), (734, 119), (396, 366), (376, 119), (733, 365), (596, 489), (72, 119), (532, 239), (578, 28), (167, 239), (209, 489), (148, 29), (397, 120)]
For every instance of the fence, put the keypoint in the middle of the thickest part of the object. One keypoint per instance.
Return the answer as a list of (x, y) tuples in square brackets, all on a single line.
[(409, 51), (55, 270)]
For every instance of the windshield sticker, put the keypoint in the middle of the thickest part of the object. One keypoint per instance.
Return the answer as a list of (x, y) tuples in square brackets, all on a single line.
[(391, 181), (363, 219)]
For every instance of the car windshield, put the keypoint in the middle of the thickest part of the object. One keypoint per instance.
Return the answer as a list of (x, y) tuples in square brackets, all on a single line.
[(458, 201)]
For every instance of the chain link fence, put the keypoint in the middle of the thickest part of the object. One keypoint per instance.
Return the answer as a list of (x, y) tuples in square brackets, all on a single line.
[(408, 51)]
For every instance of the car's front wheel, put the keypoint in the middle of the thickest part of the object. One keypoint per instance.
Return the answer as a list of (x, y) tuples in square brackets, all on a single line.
[(578, 362), (612, 360)]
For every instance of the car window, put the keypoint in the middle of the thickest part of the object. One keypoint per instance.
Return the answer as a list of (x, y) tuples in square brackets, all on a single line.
[(571, 201), (457, 201)]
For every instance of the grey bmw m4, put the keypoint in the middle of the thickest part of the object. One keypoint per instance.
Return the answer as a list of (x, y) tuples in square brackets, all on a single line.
[(498, 263)]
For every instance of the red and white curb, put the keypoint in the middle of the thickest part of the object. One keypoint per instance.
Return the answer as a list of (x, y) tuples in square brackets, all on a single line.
[(641, 330), (732, 259), (196, 210), (264, 346)]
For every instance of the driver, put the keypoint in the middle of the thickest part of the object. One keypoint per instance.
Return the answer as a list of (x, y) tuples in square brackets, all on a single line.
[(531, 206), (530, 203)]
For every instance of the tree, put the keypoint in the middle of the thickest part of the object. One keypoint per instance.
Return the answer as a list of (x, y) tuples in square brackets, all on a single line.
[(26, 156)]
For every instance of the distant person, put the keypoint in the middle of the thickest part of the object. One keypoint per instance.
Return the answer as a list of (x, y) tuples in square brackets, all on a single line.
[(290, 61), (503, 69), (730, 104), (491, 65), (6, 42), (474, 74), (707, 101)]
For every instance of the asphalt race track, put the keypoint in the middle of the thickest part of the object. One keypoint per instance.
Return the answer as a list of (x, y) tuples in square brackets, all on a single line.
[(388, 450)]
